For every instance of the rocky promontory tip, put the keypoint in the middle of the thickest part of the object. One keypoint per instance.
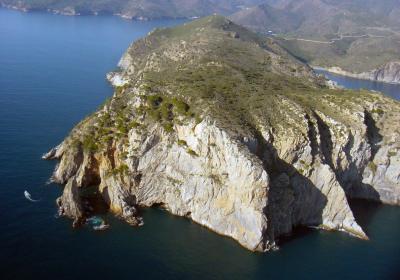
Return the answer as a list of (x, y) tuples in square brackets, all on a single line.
[(212, 122)]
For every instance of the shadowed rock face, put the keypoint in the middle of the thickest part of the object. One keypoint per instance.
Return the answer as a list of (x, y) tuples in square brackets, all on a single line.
[(212, 122)]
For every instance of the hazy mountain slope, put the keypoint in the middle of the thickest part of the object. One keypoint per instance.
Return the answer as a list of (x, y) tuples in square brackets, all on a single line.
[(358, 36), (370, 28), (263, 18), (323, 17), (146, 9), (213, 122)]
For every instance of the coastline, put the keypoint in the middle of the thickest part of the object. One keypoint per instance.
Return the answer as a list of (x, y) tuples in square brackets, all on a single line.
[(362, 76), (46, 94), (372, 75), (69, 11)]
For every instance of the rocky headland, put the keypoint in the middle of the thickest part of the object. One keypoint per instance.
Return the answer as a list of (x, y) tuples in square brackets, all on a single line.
[(212, 122)]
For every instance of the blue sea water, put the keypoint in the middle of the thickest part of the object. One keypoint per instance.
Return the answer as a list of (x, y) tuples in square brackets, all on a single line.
[(392, 90), (52, 74)]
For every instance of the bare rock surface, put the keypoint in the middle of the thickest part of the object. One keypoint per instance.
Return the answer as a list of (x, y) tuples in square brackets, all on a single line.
[(233, 133)]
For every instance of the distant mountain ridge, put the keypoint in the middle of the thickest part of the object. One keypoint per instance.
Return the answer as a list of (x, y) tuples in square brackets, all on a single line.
[(324, 17), (310, 11), (265, 18), (354, 35), (357, 36), (134, 9)]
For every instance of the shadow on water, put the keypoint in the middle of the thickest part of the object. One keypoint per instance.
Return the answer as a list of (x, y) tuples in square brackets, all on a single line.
[(364, 212), (94, 202), (297, 233)]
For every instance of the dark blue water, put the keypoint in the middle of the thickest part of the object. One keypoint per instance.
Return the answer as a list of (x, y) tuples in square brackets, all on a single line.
[(52, 71), (392, 90)]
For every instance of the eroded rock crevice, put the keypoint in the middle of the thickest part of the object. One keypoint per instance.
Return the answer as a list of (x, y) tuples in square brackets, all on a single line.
[(248, 143), (374, 138)]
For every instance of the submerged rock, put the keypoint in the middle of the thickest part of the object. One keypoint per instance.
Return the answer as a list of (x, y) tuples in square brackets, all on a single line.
[(233, 133)]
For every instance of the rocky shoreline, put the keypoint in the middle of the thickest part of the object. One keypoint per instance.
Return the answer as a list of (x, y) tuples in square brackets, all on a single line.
[(388, 73), (70, 11), (251, 166)]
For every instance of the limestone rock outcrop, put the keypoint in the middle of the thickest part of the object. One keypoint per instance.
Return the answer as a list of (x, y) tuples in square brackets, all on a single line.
[(233, 133)]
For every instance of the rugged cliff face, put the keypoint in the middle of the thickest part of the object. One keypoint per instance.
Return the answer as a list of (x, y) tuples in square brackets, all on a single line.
[(214, 123), (387, 73)]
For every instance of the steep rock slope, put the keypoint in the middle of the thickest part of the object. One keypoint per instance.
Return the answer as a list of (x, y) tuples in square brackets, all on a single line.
[(212, 122)]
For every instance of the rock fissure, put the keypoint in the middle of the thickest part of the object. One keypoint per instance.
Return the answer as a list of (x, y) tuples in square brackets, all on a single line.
[(250, 160)]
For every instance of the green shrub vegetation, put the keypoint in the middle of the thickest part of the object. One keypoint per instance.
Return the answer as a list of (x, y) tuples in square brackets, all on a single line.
[(89, 143), (166, 110), (122, 169), (191, 152), (372, 166), (168, 127), (182, 143), (392, 154), (234, 79), (378, 111)]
